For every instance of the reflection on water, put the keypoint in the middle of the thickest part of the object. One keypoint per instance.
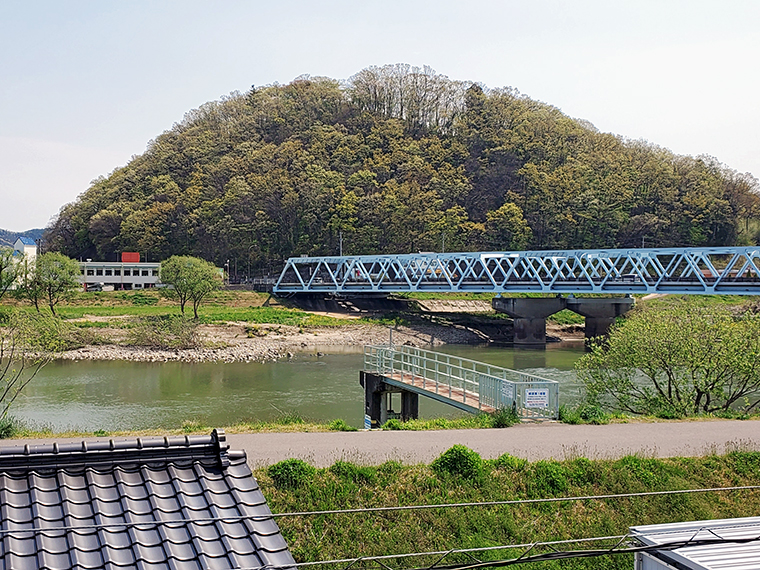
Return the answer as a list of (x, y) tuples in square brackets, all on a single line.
[(133, 395)]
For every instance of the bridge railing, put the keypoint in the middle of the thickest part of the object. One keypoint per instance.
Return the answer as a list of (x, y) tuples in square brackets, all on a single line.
[(464, 380)]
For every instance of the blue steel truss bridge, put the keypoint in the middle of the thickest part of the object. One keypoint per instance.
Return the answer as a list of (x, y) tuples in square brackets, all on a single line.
[(689, 271)]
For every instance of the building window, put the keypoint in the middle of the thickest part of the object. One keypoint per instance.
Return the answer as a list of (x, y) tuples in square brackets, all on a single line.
[(90, 272), (109, 272), (155, 273), (117, 271), (144, 272), (81, 272), (126, 272), (98, 272)]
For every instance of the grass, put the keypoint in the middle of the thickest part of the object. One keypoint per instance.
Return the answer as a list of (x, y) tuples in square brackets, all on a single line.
[(462, 476)]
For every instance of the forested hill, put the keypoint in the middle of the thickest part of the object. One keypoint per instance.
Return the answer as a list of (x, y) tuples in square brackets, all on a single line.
[(8, 238), (398, 159)]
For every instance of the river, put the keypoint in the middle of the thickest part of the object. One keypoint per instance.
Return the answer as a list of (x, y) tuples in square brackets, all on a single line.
[(108, 395)]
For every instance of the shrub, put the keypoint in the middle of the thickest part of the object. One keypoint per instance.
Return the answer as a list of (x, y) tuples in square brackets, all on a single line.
[(509, 462), (165, 331), (393, 424), (291, 473), (9, 427), (549, 477), (340, 425), (351, 472), (459, 461), (504, 417)]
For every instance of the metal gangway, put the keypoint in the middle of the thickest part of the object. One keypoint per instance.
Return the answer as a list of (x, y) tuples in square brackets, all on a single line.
[(688, 271), (466, 384)]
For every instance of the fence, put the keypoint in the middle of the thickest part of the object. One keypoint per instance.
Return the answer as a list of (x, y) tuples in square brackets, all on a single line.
[(477, 385)]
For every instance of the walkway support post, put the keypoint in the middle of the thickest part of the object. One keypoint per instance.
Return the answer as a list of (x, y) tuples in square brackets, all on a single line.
[(376, 398)]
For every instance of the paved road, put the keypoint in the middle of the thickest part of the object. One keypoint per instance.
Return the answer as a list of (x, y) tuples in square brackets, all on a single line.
[(533, 442)]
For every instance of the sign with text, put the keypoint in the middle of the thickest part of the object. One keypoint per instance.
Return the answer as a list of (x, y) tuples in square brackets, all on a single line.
[(537, 398)]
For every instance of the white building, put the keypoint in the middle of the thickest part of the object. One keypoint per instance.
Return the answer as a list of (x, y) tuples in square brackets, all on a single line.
[(119, 275), (27, 246)]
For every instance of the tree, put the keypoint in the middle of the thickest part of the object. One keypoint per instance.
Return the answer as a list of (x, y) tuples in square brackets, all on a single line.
[(189, 279), (675, 361), (54, 277), (27, 343), (9, 269), (506, 229)]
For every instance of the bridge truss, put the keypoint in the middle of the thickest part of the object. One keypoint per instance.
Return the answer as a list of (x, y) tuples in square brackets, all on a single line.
[(694, 271)]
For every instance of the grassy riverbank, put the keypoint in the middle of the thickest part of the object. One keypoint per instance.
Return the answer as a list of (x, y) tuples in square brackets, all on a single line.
[(464, 478)]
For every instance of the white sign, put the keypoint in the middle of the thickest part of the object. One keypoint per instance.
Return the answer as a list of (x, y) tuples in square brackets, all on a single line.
[(507, 391), (537, 398)]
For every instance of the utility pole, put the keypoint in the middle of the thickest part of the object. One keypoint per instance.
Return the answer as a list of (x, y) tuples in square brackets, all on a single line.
[(341, 242)]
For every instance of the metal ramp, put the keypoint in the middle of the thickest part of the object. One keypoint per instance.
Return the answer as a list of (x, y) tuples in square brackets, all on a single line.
[(689, 271), (466, 384)]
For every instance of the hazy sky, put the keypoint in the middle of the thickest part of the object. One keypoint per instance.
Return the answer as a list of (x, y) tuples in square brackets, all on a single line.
[(84, 85)]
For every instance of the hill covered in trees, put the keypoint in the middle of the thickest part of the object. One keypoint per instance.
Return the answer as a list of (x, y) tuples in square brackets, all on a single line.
[(398, 159)]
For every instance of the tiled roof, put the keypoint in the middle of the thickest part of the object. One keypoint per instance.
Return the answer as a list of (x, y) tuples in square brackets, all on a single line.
[(175, 502), (27, 241)]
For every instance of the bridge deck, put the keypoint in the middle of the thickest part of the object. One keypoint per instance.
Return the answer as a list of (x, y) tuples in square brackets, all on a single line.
[(445, 391)]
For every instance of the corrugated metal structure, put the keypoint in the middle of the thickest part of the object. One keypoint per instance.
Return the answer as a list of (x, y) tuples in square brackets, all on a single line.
[(726, 544), (183, 502)]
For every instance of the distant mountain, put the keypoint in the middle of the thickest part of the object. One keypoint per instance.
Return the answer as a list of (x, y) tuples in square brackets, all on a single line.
[(8, 238)]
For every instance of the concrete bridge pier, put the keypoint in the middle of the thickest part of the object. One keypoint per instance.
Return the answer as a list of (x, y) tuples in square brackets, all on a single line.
[(599, 314), (529, 316), (377, 399)]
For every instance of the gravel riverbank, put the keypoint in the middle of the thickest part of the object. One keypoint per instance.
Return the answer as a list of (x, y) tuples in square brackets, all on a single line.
[(231, 342)]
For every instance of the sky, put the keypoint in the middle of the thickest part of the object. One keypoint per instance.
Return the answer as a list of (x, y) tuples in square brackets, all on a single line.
[(86, 84)]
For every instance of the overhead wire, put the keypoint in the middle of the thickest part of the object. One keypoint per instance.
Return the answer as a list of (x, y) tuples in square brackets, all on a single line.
[(254, 518)]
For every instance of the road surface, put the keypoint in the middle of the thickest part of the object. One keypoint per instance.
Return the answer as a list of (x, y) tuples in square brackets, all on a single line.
[(530, 441)]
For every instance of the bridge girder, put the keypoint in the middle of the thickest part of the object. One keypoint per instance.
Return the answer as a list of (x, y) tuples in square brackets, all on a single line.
[(686, 271)]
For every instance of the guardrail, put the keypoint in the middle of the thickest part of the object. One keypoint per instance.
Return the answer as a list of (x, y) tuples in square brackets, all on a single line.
[(461, 379)]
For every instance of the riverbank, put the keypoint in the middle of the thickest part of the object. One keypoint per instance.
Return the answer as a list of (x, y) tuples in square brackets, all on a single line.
[(242, 342)]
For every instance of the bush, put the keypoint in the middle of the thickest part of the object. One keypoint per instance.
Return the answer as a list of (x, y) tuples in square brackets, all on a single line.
[(393, 425), (340, 425), (504, 417), (291, 473), (9, 427), (548, 477), (165, 331), (351, 472), (459, 461), (509, 462), (583, 414)]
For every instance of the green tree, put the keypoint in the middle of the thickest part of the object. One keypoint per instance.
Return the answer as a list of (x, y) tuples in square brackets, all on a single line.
[(27, 343), (189, 279), (53, 278), (9, 269), (679, 360), (506, 229)]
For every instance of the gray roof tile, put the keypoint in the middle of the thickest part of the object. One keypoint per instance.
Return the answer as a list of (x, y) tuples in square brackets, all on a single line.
[(134, 503)]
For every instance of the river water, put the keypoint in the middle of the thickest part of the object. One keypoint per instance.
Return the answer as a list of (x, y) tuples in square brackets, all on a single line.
[(100, 395)]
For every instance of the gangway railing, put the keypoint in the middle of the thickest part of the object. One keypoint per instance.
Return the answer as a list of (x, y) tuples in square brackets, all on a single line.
[(467, 384), (704, 271)]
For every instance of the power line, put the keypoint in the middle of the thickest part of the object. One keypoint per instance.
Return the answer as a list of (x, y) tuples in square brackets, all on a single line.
[(176, 522)]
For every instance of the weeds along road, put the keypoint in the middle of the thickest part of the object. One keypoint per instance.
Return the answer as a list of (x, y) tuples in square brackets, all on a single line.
[(530, 441)]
